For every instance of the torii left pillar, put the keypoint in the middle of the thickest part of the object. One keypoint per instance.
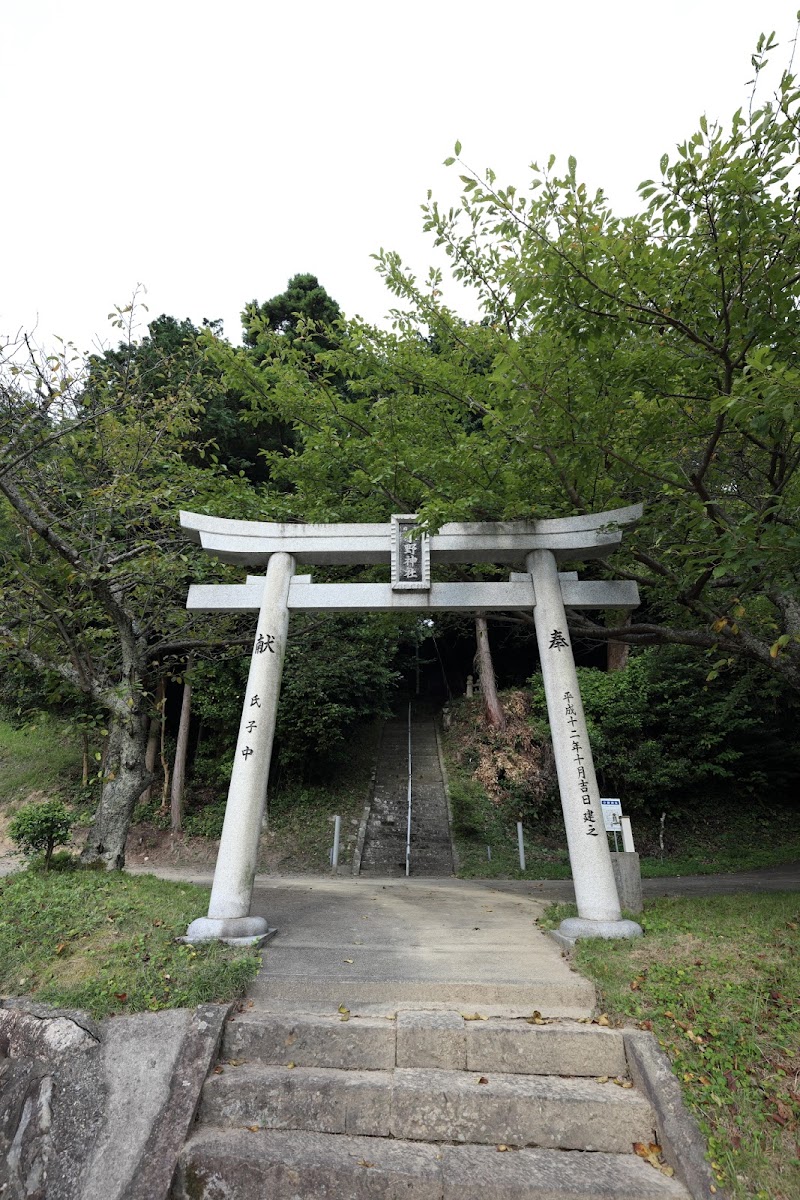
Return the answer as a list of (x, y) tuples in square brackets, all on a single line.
[(229, 917)]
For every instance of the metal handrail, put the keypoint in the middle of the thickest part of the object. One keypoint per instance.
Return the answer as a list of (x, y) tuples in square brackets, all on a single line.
[(408, 827)]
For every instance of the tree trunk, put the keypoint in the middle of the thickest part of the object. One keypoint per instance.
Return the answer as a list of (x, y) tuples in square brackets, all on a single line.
[(124, 778), (154, 732), (163, 746), (85, 764), (483, 665), (179, 762), (617, 652)]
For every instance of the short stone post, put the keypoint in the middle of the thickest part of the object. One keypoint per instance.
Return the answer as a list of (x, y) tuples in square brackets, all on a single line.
[(590, 859), (232, 891)]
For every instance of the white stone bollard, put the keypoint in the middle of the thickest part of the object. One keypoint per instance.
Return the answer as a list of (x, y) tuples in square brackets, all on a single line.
[(590, 859), (521, 846), (232, 891), (337, 833)]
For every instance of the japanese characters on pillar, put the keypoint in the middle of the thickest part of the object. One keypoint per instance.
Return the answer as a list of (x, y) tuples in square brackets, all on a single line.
[(263, 643), (411, 555), (579, 758)]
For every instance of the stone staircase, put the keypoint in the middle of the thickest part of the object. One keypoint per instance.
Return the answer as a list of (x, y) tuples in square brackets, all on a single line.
[(384, 852), (420, 1104)]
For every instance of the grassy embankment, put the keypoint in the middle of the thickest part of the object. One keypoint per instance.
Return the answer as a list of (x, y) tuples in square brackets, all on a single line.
[(717, 980), (497, 779), (43, 760), (106, 943)]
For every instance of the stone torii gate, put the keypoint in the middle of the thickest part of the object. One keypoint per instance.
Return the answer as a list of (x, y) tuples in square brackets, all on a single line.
[(540, 545)]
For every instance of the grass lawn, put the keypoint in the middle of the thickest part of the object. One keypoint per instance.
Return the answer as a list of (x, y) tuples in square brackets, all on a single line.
[(717, 980), (105, 942), (43, 756)]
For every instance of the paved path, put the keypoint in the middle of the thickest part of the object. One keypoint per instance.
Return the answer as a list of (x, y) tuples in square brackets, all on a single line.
[(372, 944), (766, 879)]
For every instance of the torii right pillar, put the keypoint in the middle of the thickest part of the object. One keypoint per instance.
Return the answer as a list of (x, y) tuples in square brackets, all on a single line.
[(599, 913)]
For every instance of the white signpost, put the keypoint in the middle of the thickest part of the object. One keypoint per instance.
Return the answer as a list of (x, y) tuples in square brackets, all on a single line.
[(612, 815), (541, 545)]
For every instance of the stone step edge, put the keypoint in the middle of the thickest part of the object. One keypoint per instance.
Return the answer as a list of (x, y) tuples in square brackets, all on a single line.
[(559, 998), (431, 1106), (386, 1010), (252, 1162), (444, 1040), (512, 1082)]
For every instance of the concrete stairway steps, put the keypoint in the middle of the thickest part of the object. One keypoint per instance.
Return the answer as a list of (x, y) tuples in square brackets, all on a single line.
[(312, 992), (250, 1165), (418, 1104), (425, 1039), (391, 1047), (385, 842)]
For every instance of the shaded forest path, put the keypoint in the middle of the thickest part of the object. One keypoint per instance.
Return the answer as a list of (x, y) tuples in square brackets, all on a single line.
[(384, 852)]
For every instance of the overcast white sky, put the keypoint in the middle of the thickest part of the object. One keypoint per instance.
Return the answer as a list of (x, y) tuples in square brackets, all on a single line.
[(209, 151)]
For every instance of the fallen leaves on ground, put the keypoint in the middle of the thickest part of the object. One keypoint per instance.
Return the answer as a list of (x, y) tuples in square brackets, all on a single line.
[(652, 1154)]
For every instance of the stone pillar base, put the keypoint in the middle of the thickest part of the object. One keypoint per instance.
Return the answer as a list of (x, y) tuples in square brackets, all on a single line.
[(573, 928), (234, 931), (628, 876)]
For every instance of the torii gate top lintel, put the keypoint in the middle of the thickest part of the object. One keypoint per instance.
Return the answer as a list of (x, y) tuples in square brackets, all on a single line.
[(251, 543)]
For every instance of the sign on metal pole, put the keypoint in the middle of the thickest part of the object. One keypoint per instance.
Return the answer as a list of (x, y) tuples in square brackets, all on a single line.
[(612, 815)]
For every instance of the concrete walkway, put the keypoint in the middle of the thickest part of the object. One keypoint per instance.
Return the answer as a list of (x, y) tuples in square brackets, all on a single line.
[(766, 879), (376, 945)]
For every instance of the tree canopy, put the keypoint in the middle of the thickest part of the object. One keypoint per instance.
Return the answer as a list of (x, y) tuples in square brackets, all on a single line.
[(650, 357), (93, 566)]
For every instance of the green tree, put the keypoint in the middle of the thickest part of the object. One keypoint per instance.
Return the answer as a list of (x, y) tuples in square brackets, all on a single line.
[(651, 357), (39, 828), (169, 358), (93, 566), (305, 300)]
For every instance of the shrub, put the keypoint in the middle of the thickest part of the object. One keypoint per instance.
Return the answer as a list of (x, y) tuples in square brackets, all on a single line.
[(39, 828)]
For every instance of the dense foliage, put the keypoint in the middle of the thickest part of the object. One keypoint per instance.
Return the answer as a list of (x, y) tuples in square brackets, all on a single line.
[(650, 357), (338, 672), (666, 738), (39, 828)]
